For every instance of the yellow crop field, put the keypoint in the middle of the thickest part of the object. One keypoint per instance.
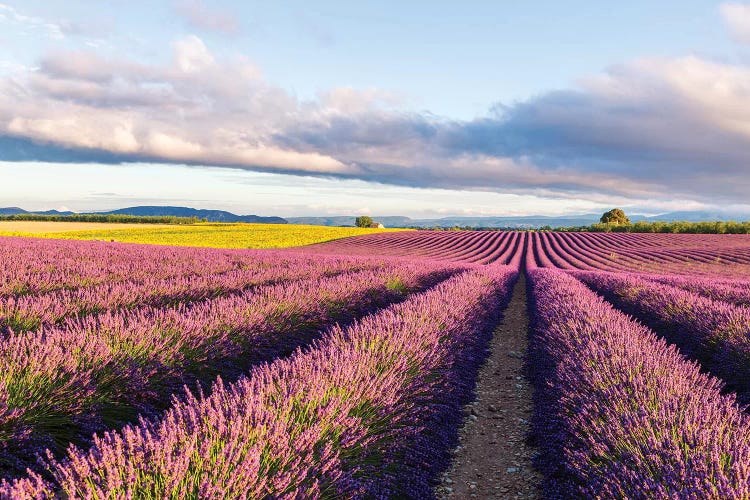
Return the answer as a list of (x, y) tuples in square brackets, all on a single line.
[(216, 235)]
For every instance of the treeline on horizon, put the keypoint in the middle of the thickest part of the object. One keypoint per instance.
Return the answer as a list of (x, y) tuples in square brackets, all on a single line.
[(684, 227), (716, 227), (116, 218)]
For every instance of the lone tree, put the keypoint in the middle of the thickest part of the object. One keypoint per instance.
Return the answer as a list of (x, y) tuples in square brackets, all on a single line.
[(614, 216), (363, 221)]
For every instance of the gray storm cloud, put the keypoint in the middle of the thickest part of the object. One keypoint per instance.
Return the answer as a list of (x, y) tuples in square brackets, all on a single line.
[(650, 129)]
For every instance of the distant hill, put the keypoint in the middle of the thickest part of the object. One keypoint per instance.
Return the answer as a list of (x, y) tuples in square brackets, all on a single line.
[(348, 220), (155, 211), (12, 211), (526, 222), (17, 211), (699, 216), (511, 222), (518, 222), (209, 215), (53, 212)]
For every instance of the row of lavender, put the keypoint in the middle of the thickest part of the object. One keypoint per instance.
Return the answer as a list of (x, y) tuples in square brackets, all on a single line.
[(35, 265), (63, 383), (623, 424), (699, 316), (367, 411), (641, 253), (707, 318), (621, 413), (25, 312)]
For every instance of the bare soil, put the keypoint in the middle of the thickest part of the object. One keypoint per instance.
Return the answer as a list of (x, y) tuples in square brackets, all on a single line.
[(493, 459)]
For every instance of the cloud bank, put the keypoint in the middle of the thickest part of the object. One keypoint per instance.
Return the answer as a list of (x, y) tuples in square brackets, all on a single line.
[(651, 129)]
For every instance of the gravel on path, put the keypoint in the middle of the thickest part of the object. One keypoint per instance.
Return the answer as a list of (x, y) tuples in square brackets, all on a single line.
[(493, 459)]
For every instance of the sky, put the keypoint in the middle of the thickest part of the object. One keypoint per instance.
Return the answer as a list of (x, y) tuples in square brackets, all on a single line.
[(387, 108)]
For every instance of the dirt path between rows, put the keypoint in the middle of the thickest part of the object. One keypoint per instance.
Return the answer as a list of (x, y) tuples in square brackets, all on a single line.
[(492, 459)]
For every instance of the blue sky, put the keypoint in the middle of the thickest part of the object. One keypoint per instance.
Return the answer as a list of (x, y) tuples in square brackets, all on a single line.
[(414, 108)]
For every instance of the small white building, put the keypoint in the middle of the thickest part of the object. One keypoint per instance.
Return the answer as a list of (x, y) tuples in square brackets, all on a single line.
[(377, 225)]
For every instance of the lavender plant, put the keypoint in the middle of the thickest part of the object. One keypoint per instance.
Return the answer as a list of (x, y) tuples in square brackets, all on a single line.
[(622, 414), (714, 332), (366, 412), (64, 383)]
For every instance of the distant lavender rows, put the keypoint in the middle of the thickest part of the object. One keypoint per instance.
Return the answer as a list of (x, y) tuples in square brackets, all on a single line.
[(369, 412), (497, 247), (654, 253), (641, 252)]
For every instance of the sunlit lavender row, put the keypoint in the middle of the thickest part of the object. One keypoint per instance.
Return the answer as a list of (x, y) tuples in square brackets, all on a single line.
[(715, 332), (622, 414), (727, 290), (19, 313), (369, 411), (102, 343), (62, 384), (40, 265)]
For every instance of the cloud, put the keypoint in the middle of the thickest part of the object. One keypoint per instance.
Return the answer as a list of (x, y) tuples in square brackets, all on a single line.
[(14, 22), (10, 15), (192, 54), (652, 129), (677, 126), (737, 17), (203, 18), (194, 111)]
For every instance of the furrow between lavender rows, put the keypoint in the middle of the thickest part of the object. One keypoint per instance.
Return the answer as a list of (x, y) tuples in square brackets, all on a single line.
[(369, 411), (619, 413), (715, 333), (62, 384)]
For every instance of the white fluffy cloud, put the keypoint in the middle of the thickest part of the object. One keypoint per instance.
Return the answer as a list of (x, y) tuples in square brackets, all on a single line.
[(652, 129), (196, 110), (192, 55)]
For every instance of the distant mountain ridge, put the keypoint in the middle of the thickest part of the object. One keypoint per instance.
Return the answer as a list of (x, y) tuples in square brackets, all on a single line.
[(519, 222), (209, 215), (161, 211), (511, 222), (16, 211)]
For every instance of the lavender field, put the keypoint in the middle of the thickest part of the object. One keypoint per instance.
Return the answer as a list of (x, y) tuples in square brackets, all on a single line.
[(341, 369)]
